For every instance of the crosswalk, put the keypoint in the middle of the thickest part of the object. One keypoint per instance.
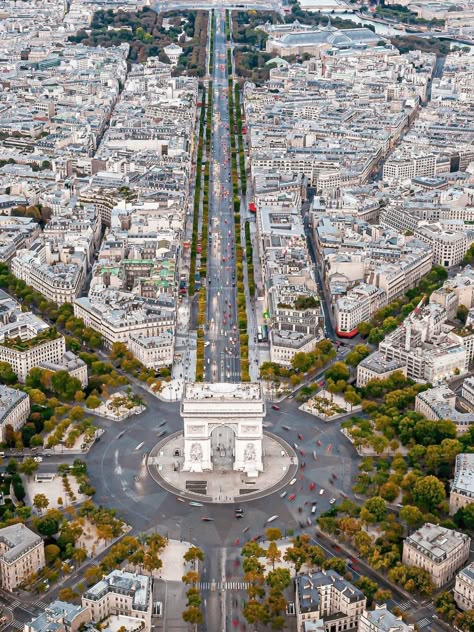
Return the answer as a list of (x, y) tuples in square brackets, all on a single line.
[(422, 623), (40, 604), (13, 604), (223, 585), (16, 625), (406, 605)]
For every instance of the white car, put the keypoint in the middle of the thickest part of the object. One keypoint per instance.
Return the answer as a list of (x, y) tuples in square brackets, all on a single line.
[(313, 509), (38, 459), (332, 501), (292, 482), (321, 492)]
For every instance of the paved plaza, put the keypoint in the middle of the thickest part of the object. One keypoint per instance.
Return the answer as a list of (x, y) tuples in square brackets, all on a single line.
[(166, 460)]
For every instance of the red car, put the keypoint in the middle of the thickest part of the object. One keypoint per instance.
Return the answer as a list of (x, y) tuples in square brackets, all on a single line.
[(292, 497)]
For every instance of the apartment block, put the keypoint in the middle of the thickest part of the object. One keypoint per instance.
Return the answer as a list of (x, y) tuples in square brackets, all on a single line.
[(14, 409), (380, 619), (121, 594), (464, 588), (462, 489), (60, 616), (21, 555), (439, 551), (377, 367), (440, 403), (325, 596)]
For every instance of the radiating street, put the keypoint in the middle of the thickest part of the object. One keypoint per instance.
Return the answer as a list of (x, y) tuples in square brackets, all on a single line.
[(222, 352)]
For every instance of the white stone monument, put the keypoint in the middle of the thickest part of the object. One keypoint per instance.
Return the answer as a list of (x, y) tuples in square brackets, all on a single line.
[(223, 427)]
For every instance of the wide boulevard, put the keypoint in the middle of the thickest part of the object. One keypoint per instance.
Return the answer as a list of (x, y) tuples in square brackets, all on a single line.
[(222, 352)]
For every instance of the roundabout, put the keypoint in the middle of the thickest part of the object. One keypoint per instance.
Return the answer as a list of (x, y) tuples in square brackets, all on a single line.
[(165, 465), (119, 469)]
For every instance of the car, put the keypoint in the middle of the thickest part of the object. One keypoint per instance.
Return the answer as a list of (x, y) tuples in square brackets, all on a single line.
[(206, 519), (181, 500), (312, 486), (275, 407), (193, 503), (292, 482), (332, 501), (315, 456), (308, 522), (303, 453), (321, 492), (313, 509), (238, 510), (271, 519), (283, 494), (38, 459)]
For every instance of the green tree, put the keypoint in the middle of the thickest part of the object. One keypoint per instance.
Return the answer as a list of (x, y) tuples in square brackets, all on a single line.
[(193, 615), (40, 502), (462, 313), (336, 564), (67, 594), (464, 517), (252, 549), (273, 534), (7, 375), (279, 578), (412, 516), (382, 595), (446, 606), (255, 612), (273, 554), (368, 587), (465, 621), (377, 507), (51, 552), (338, 371), (28, 467), (93, 402), (47, 526), (429, 492), (194, 553)]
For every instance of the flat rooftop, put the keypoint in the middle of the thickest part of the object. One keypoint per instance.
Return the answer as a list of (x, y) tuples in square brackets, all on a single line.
[(377, 363), (222, 391), (464, 475), (436, 542)]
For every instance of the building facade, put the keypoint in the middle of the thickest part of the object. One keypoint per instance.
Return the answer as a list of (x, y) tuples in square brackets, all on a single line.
[(462, 490), (21, 555), (14, 409), (380, 619), (464, 588), (439, 551), (326, 596), (121, 594)]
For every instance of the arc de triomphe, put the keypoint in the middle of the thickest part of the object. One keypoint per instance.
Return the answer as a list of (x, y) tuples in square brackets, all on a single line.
[(223, 427)]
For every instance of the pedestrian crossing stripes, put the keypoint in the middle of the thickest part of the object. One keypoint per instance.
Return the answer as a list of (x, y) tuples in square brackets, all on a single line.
[(40, 603), (223, 585), (13, 604), (406, 605), (17, 625), (422, 623)]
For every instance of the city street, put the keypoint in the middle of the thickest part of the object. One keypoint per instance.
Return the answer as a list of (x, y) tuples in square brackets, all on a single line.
[(222, 349)]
